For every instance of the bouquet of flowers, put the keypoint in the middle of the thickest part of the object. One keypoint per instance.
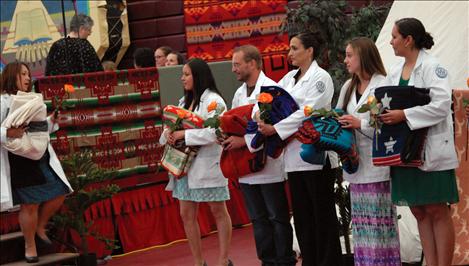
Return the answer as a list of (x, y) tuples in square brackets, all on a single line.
[(214, 121), (375, 108), (59, 101), (265, 106)]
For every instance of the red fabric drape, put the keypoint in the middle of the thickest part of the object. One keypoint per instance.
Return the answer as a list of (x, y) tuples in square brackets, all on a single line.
[(143, 217), (150, 216)]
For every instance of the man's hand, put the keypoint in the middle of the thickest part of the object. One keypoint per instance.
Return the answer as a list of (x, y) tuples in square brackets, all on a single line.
[(266, 129), (233, 142)]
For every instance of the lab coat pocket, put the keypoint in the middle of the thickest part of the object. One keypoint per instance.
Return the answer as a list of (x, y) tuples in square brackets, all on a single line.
[(439, 150)]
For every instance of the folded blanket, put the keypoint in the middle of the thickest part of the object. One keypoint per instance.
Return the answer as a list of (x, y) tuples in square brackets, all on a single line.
[(397, 144), (283, 105), (28, 109), (239, 162)]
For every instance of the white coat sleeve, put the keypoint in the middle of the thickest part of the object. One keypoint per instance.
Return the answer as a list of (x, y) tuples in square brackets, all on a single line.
[(440, 104), (235, 102), (314, 98), (248, 138), (3, 135), (3, 130)]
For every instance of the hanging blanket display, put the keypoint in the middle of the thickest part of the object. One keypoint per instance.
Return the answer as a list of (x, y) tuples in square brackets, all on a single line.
[(281, 106), (214, 28), (320, 133), (178, 158), (239, 162), (397, 145), (460, 210), (117, 117)]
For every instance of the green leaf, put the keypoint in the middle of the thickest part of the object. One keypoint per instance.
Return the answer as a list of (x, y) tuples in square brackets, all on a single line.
[(364, 108)]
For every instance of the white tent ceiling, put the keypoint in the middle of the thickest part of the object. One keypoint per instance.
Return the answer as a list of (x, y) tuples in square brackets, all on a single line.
[(447, 22)]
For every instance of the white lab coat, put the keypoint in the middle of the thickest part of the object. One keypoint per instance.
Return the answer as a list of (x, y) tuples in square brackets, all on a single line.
[(439, 153), (6, 192), (273, 169), (314, 89), (205, 171), (367, 172)]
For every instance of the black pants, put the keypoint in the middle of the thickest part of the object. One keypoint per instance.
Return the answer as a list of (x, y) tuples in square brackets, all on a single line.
[(314, 212), (267, 207)]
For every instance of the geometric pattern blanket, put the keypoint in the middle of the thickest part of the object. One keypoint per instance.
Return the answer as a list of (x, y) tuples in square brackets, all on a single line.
[(115, 115), (460, 210), (214, 28)]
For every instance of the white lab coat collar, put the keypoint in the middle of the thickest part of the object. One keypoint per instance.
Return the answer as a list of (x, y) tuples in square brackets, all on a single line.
[(204, 96), (257, 89), (397, 70), (374, 82), (309, 73)]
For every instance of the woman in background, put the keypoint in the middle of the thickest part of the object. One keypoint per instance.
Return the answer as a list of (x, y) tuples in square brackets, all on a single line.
[(74, 54), (374, 220), (174, 59), (204, 181), (429, 189), (160, 55), (38, 186)]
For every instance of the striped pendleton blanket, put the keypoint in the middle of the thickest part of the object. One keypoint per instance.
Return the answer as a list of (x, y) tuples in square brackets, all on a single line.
[(116, 115)]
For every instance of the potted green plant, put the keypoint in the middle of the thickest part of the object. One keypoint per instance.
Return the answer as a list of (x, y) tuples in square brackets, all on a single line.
[(82, 172)]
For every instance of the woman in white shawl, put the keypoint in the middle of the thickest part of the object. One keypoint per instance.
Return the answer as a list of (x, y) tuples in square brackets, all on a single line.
[(38, 186)]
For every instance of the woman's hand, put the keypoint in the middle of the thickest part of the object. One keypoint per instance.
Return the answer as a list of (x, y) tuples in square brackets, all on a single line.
[(266, 129), (392, 117), (53, 116), (175, 136), (16, 132), (350, 121)]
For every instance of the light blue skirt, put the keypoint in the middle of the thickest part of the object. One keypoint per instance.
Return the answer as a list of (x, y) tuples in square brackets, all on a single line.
[(182, 191)]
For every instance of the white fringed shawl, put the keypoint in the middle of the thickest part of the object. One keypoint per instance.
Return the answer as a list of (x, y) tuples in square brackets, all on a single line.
[(26, 108)]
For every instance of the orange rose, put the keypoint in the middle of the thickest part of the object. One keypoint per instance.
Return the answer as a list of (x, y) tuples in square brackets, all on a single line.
[(69, 88), (212, 106), (181, 114), (370, 99), (265, 98), (308, 110)]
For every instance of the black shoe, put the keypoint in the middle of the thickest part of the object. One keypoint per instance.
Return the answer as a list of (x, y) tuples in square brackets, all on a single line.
[(230, 263), (32, 259), (43, 242)]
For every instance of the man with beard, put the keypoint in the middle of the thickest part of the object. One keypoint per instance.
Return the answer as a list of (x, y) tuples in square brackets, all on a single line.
[(264, 191)]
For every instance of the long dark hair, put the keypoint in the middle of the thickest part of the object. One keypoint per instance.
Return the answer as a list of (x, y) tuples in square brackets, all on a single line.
[(415, 28), (370, 63), (311, 39), (10, 75), (203, 80)]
